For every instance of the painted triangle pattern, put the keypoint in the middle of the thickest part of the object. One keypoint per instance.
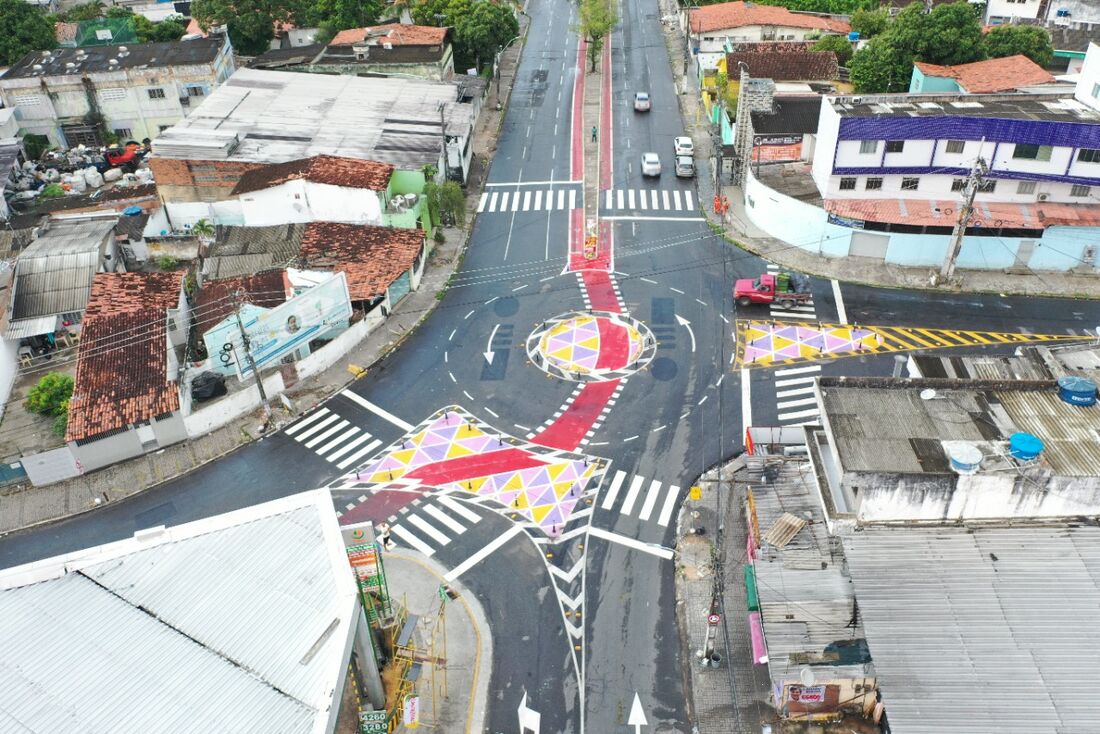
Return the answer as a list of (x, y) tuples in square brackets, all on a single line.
[(766, 343), (545, 495), (573, 345)]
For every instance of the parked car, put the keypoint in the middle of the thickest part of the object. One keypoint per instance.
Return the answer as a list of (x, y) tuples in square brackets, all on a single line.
[(685, 166), (651, 164), (641, 102), (684, 146)]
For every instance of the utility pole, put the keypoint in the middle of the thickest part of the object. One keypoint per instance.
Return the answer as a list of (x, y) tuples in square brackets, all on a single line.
[(249, 358), (970, 190)]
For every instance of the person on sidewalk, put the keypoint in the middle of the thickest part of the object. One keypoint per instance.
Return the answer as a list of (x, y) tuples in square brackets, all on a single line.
[(384, 536), (593, 133)]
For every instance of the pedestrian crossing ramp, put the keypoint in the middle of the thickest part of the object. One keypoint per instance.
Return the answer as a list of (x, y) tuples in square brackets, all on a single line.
[(333, 438), (644, 499), (548, 199)]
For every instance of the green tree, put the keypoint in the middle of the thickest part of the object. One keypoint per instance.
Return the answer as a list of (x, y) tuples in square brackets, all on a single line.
[(84, 11), (165, 31), (50, 395), (598, 18), (251, 23), (119, 11), (25, 29), (452, 201), (839, 45), (869, 23), (341, 14), (950, 34), (481, 27), (881, 67), (1030, 40)]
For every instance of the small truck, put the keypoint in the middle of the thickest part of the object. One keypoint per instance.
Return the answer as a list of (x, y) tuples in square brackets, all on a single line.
[(783, 289)]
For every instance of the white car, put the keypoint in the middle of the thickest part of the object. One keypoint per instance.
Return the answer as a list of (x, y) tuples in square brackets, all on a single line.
[(641, 102), (651, 164), (684, 146)]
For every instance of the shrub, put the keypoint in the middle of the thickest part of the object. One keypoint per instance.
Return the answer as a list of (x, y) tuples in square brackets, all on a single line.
[(50, 396)]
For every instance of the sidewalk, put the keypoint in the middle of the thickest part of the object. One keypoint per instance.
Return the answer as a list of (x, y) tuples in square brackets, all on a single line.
[(23, 506), (731, 698), (461, 684)]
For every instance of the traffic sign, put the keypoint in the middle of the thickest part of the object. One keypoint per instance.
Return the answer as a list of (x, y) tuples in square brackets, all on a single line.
[(713, 619)]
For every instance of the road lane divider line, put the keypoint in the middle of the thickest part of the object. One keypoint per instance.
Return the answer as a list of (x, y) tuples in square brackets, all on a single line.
[(652, 548), (483, 553), (380, 412)]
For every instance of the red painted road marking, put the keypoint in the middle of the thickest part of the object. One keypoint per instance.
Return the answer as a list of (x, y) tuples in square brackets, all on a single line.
[(478, 465), (614, 345), (606, 127), (569, 429), (601, 294), (604, 235), (382, 504)]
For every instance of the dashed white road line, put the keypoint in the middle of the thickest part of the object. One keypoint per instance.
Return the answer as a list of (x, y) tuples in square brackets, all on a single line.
[(746, 400), (841, 315)]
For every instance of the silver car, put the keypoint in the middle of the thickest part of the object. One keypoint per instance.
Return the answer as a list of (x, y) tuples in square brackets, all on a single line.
[(683, 146), (651, 164), (685, 166), (641, 102)]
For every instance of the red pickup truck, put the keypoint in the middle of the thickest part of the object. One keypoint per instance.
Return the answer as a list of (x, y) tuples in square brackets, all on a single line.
[(783, 289)]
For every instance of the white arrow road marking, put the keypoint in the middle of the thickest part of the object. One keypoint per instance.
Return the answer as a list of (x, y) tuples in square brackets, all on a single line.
[(528, 718), (568, 576), (687, 325), (570, 601), (489, 353), (573, 629), (637, 716)]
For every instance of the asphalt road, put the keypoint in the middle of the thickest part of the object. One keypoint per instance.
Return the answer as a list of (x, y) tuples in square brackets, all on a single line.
[(672, 421)]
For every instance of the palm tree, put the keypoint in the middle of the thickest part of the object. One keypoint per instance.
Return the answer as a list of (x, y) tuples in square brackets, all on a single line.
[(204, 230)]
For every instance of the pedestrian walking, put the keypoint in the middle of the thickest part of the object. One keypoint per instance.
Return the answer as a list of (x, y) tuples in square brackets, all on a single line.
[(384, 536), (593, 133)]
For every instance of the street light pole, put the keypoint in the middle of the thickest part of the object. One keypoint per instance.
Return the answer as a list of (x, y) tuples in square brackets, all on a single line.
[(250, 359)]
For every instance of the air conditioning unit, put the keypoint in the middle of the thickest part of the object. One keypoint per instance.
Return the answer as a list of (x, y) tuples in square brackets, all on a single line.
[(857, 100), (1043, 197)]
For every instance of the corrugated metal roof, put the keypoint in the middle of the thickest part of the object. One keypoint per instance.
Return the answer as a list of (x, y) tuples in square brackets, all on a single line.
[(806, 600), (31, 327), (54, 274), (210, 632), (1068, 432), (982, 626)]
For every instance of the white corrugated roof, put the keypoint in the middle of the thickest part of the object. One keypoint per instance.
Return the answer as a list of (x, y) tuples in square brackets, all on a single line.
[(239, 623), (982, 628)]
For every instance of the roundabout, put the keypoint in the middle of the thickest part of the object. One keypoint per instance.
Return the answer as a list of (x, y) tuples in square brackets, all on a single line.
[(593, 346)]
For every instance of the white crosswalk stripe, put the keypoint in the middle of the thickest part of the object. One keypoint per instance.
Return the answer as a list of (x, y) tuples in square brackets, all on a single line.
[(333, 438), (648, 200), (433, 524), (794, 393), (532, 200), (652, 492)]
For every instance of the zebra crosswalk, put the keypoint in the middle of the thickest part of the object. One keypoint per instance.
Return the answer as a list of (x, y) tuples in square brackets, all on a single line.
[(648, 200), (794, 394), (433, 523), (804, 310), (333, 438), (641, 498), (530, 200)]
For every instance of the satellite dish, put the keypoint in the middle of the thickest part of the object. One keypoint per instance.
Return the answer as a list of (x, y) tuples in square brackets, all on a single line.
[(807, 677), (927, 393)]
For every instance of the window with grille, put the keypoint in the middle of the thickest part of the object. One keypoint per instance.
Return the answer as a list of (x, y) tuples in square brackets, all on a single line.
[(873, 184), (195, 92), (1029, 152), (112, 95), (847, 184), (1025, 187), (988, 186), (124, 132), (958, 184), (156, 93), (910, 184), (895, 146), (1088, 155), (868, 146), (1079, 190), (955, 146)]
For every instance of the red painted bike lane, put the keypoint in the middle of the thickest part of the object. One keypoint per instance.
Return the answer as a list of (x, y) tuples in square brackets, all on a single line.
[(568, 431)]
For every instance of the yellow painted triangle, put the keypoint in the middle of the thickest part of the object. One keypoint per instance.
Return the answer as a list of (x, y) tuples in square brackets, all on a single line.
[(474, 485), (520, 501), (457, 450), (538, 514), (404, 456), (593, 343), (562, 488), (513, 484), (565, 353), (384, 476), (554, 471)]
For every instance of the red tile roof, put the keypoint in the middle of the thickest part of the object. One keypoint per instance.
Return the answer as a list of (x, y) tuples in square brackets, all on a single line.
[(324, 169), (217, 298), (373, 257), (934, 213), (122, 361), (739, 14), (992, 75), (397, 34), (785, 66)]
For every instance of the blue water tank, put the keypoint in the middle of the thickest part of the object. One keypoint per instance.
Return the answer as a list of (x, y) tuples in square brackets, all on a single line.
[(1077, 390), (853, 36), (132, 211), (1024, 446)]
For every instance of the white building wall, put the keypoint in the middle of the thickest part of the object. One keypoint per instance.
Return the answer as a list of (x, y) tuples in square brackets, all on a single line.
[(1004, 10), (183, 215), (304, 201), (9, 368), (828, 128), (938, 188), (1088, 83)]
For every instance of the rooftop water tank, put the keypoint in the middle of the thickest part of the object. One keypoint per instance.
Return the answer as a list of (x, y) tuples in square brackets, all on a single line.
[(965, 458), (1024, 446), (853, 36), (132, 211), (1077, 390)]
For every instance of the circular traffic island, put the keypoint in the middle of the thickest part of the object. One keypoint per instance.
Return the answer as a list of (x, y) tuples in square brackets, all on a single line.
[(591, 346)]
